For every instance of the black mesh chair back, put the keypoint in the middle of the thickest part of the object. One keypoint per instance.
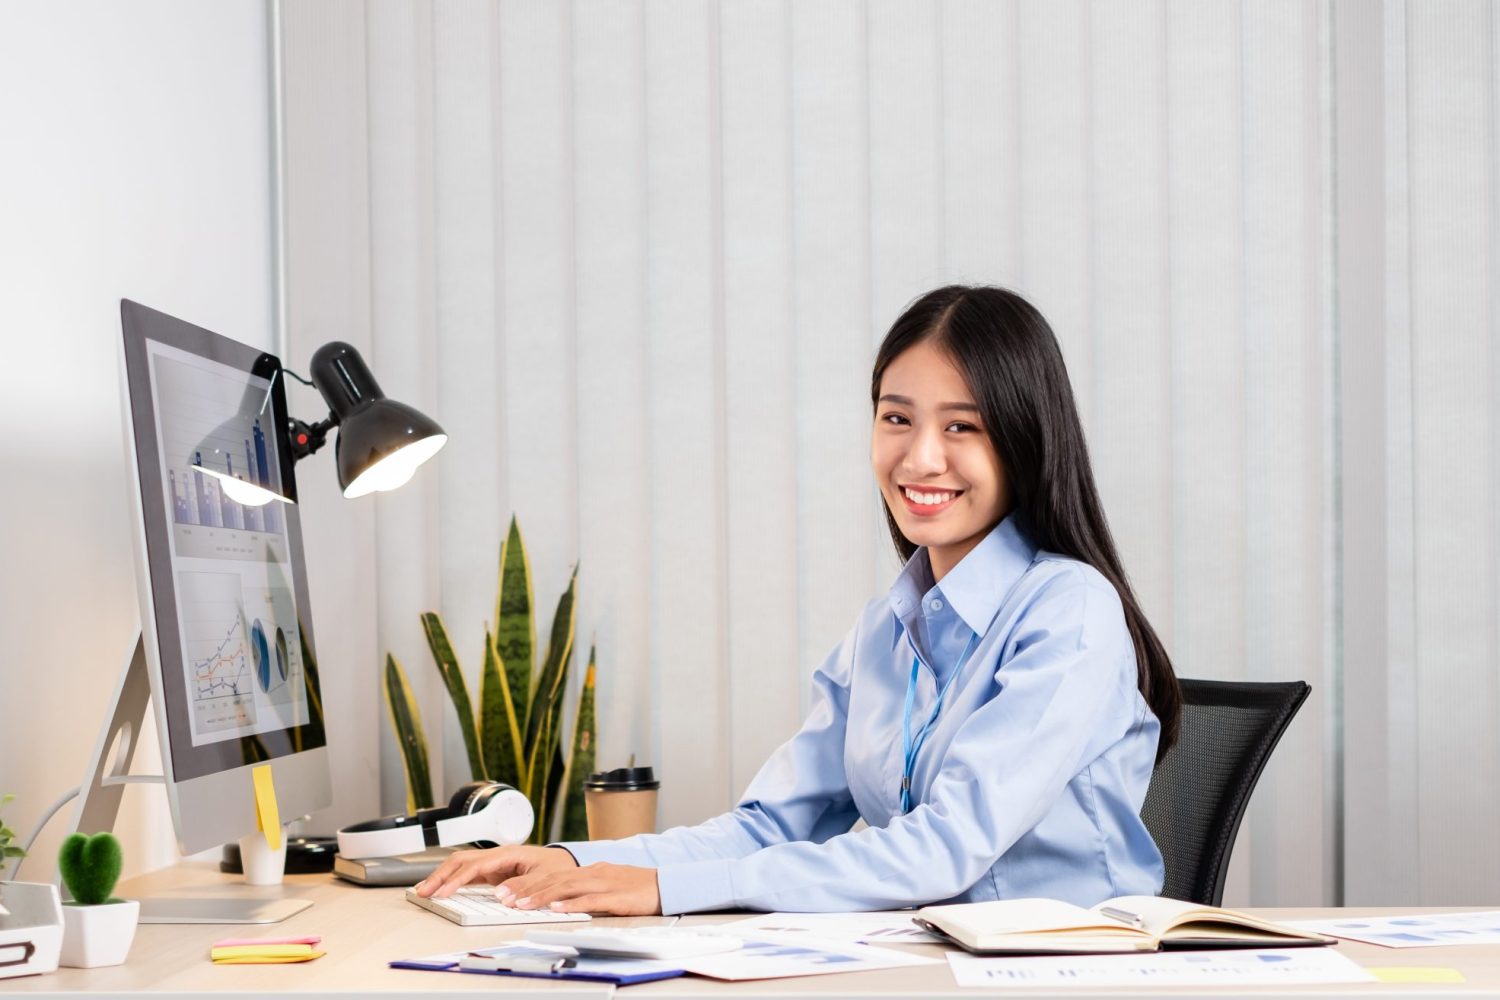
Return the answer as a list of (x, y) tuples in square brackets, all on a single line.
[(1199, 791)]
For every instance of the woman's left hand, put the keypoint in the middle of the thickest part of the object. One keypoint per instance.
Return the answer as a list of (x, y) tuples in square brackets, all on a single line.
[(613, 890)]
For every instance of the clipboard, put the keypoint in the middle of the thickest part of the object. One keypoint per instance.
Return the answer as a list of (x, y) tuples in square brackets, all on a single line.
[(588, 968)]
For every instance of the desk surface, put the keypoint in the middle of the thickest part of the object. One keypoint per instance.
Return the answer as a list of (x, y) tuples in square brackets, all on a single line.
[(363, 929)]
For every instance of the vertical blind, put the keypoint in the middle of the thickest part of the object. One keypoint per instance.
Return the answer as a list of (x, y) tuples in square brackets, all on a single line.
[(636, 257)]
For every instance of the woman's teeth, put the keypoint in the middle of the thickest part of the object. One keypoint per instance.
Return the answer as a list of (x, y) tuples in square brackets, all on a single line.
[(928, 499)]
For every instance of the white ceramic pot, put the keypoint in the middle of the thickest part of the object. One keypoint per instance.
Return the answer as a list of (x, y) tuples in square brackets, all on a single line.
[(98, 935), (261, 865)]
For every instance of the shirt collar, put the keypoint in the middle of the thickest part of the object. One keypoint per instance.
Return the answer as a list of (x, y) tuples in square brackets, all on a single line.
[(975, 587)]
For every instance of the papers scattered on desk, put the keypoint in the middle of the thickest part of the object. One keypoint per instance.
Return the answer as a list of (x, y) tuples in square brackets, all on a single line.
[(1291, 966), (777, 956), (1416, 931), (894, 927)]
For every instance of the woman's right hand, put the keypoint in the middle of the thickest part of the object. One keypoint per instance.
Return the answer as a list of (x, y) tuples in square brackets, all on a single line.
[(493, 866)]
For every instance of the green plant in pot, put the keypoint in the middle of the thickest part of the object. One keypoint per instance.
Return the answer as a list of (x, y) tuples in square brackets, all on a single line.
[(8, 850), (97, 928), (515, 736)]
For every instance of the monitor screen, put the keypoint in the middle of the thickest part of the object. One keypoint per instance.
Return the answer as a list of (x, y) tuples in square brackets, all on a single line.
[(223, 547)]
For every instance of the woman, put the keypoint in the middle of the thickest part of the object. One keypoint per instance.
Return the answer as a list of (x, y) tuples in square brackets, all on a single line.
[(994, 719)]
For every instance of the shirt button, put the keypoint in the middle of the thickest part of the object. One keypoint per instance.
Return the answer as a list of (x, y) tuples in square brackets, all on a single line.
[(936, 605)]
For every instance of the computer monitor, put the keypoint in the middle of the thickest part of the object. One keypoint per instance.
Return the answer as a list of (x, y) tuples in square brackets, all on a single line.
[(226, 632)]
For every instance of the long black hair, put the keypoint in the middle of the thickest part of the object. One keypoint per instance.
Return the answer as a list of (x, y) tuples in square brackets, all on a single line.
[(1011, 361)]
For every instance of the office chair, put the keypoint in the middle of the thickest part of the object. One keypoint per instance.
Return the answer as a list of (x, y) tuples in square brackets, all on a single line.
[(1199, 791)]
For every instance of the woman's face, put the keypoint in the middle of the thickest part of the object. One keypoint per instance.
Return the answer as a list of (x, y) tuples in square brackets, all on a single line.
[(933, 458)]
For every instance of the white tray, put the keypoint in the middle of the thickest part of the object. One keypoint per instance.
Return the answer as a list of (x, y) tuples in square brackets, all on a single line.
[(31, 933)]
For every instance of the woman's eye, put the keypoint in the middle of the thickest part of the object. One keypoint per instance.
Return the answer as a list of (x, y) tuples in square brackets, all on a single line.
[(960, 426), (892, 418)]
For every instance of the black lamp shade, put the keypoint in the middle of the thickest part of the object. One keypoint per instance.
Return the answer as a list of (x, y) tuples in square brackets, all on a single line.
[(381, 442), (370, 439)]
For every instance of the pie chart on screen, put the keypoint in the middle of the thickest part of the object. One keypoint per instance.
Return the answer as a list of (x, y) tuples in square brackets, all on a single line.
[(262, 653), (282, 655)]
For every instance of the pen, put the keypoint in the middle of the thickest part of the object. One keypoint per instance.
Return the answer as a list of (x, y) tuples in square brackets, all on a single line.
[(1133, 919), (517, 963)]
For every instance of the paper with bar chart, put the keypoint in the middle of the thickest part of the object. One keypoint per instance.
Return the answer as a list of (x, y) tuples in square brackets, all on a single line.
[(236, 605)]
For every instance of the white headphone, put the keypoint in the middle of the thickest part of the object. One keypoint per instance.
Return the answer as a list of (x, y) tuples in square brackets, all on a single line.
[(483, 813)]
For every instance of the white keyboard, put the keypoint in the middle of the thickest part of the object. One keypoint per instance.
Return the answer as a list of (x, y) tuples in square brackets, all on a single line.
[(476, 906)]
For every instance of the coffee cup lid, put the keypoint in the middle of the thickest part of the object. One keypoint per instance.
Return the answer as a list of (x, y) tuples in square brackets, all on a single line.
[(623, 779)]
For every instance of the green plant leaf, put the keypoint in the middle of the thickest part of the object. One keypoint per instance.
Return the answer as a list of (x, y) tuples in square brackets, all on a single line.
[(313, 688), (407, 722), (554, 756), (458, 689), (538, 780), (581, 759), (499, 732), (554, 785), (515, 622), (554, 670)]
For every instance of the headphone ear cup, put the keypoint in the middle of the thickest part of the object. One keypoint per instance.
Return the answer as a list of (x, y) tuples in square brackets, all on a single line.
[(512, 819), (460, 803)]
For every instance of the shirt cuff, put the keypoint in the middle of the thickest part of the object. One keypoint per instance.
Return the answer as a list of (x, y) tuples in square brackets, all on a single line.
[(695, 886), (615, 852)]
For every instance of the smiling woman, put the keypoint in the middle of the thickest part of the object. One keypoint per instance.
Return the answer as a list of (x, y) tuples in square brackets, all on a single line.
[(994, 718)]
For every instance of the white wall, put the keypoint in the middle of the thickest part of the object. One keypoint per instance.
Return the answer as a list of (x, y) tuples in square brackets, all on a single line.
[(136, 164)]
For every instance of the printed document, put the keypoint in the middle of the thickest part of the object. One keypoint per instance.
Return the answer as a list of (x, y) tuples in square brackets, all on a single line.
[(781, 955), (1414, 931), (892, 927), (1290, 966)]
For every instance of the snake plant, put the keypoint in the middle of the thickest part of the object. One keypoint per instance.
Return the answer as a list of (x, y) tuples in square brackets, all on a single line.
[(515, 736)]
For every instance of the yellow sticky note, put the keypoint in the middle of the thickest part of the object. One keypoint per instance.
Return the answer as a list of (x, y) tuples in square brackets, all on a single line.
[(266, 951), (267, 816), (1416, 974)]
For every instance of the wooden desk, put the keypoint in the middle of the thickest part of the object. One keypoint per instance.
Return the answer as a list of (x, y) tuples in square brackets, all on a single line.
[(362, 929)]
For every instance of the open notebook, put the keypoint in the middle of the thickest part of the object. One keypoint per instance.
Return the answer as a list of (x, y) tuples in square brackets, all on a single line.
[(1123, 924)]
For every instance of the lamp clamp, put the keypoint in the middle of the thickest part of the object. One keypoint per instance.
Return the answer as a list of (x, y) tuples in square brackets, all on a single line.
[(307, 438)]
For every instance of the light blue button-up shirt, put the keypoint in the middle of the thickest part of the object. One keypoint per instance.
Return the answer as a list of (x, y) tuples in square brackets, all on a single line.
[(1030, 782)]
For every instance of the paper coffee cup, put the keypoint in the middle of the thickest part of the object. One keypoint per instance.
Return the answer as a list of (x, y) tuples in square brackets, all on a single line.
[(621, 803)]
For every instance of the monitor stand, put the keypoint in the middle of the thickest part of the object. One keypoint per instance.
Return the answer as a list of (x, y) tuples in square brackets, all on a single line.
[(99, 804)]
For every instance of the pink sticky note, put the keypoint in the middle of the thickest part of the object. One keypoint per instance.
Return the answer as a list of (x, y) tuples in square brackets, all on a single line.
[(240, 942)]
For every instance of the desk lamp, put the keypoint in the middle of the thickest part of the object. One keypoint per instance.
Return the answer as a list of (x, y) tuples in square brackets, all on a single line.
[(380, 444)]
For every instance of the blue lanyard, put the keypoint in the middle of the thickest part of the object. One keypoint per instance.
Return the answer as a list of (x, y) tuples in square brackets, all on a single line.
[(909, 748)]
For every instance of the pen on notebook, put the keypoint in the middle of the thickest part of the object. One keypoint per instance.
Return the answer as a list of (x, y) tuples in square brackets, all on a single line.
[(1124, 916), (516, 963)]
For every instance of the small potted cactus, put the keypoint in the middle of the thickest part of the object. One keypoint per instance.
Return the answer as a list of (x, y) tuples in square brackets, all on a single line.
[(97, 928)]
